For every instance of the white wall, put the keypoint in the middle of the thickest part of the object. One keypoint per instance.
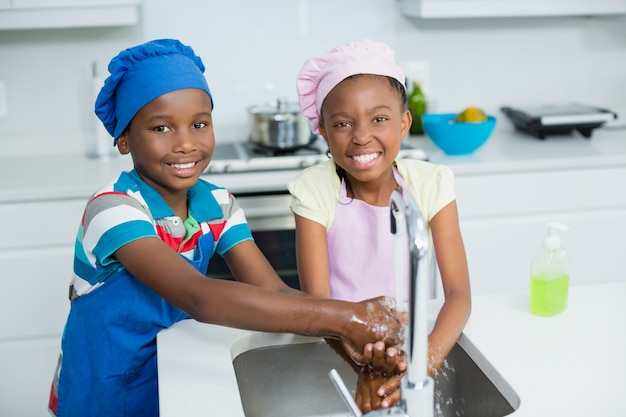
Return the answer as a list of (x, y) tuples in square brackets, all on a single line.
[(46, 75), (523, 61), (254, 56)]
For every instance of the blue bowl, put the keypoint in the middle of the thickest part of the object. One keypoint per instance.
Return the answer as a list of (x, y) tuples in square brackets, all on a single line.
[(456, 138)]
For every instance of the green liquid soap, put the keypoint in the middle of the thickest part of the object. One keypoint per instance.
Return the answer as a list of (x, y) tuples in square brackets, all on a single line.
[(548, 297)]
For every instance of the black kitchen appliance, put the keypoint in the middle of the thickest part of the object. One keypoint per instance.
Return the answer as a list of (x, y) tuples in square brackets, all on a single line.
[(558, 119)]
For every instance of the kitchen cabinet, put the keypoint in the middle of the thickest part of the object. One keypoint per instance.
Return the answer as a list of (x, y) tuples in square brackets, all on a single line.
[(55, 14), (41, 211), (68, 3), (503, 220), (27, 368), (430, 9), (36, 254)]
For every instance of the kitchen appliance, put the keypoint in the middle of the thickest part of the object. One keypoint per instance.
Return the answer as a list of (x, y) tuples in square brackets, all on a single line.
[(249, 156), (258, 178), (242, 157), (279, 125), (558, 119)]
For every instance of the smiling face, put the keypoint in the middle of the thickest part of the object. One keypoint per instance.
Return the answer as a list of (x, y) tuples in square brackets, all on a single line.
[(171, 141), (364, 120)]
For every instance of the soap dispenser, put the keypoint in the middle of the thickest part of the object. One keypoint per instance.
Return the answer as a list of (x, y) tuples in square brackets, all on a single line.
[(549, 275)]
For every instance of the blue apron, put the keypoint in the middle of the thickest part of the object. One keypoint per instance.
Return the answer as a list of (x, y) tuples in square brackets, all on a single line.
[(109, 363)]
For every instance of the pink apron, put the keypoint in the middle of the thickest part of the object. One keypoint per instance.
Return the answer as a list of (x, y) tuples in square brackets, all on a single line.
[(360, 249)]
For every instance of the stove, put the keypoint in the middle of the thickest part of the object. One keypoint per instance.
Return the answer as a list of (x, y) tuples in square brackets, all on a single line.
[(241, 157)]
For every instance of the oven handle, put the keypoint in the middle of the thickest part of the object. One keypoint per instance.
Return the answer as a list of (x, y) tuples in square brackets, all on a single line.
[(263, 212)]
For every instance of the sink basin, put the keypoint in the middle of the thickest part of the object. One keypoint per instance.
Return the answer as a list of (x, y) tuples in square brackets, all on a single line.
[(284, 375)]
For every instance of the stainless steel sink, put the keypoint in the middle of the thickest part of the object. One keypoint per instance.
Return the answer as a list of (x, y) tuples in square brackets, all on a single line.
[(287, 375)]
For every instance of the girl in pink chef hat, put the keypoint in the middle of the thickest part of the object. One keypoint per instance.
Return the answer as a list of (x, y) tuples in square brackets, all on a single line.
[(355, 98)]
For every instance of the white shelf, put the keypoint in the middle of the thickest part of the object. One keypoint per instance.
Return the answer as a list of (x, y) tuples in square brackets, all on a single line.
[(509, 8), (116, 13)]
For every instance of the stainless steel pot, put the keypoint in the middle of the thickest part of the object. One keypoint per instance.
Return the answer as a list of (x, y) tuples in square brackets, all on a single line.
[(279, 125)]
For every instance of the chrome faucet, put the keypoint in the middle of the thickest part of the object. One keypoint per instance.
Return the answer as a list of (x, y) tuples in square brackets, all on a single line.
[(408, 225), (417, 389)]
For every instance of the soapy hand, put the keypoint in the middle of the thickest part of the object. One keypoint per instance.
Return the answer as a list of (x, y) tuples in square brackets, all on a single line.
[(378, 384), (366, 397), (378, 357), (381, 363), (375, 390), (384, 360), (374, 320)]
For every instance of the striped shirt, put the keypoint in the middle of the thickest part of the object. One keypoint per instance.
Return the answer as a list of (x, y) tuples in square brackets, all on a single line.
[(129, 209)]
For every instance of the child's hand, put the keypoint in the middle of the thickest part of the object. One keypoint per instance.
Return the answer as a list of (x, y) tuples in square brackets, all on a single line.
[(377, 357), (379, 380), (376, 390), (384, 360), (373, 320)]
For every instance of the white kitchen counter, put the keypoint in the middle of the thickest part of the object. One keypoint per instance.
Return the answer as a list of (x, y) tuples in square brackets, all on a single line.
[(508, 150), (568, 365), (64, 176)]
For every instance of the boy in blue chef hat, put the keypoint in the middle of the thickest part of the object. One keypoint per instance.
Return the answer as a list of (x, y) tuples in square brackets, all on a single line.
[(145, 241)]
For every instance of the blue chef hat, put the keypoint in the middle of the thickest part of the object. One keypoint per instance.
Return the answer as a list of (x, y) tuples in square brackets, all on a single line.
[(142, 73)]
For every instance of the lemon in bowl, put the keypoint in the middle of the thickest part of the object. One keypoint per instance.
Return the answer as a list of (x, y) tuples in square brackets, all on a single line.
[(458, 133), (471, 115)]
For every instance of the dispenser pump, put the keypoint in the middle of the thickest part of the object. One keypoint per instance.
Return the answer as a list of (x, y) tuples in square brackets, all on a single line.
[(552, 240)]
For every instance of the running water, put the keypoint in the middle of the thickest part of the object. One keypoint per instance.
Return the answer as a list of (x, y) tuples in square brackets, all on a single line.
[(446, 406)]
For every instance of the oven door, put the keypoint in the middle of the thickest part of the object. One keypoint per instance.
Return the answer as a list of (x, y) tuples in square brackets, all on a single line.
[(273, 228)]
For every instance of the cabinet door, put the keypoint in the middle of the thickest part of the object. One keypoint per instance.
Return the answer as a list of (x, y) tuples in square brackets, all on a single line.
[(27, 370), (39, 224), (521, 193), (503, 221), (70, 3), (62, 14), (500, 250), (508, 8), (34, 291)]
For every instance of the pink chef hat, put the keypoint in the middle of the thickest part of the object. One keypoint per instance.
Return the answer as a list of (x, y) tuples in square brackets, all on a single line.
[(320, 74)]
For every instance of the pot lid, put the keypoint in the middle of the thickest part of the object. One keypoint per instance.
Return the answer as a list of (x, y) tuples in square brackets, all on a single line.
[(275, 107)]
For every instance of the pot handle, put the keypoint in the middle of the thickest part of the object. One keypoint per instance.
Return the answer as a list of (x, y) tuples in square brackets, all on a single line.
[(281, 105)]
